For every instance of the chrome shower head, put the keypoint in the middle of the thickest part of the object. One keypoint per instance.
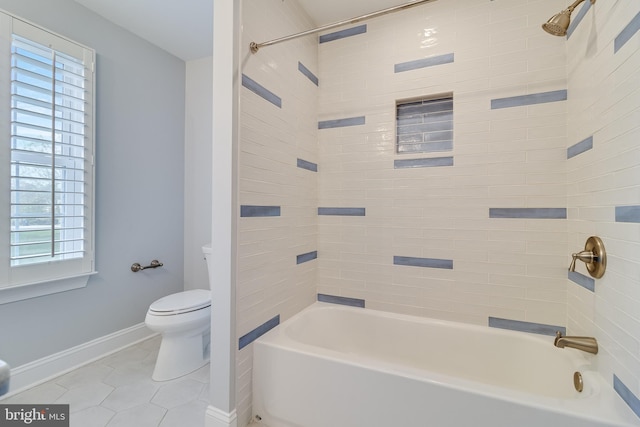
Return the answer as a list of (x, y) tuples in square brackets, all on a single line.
[(558, 24)]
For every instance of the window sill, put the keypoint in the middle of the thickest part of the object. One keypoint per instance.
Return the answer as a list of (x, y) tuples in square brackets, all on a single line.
[(33, 290)]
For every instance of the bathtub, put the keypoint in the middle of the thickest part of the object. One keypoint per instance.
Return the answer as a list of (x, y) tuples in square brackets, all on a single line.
[(337, 366)]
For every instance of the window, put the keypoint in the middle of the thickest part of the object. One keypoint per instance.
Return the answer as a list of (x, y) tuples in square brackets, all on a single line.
[(425, 125), (46, 155)]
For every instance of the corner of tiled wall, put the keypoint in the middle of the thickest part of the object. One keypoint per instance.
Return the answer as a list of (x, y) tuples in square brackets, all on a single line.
[(544, 154), (603, 175), (278, 165)]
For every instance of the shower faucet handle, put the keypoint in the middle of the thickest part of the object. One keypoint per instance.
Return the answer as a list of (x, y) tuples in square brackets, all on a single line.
[(594, 256), (584, 256)]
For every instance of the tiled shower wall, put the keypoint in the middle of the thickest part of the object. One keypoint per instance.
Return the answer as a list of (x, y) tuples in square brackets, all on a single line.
[(478, 232), (603, 174), (277, 230)]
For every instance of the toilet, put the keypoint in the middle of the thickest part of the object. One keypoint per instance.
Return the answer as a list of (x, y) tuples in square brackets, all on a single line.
[(184, 321)]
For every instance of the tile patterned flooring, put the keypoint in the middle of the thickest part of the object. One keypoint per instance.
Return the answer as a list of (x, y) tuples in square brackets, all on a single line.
[(117, 391)]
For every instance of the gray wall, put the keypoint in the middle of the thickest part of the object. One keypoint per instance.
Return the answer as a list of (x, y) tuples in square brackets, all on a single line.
[(139, 194), (198, 170)]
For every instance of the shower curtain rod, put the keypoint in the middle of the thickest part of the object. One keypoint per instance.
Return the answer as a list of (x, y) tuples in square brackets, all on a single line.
[(256, 46)]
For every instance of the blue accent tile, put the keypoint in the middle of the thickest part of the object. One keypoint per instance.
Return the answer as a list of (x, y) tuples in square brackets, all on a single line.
[(625, 35), (536, 98), (261, 91), (303, 164), (304, 70), (247, 339), (626, 395), (342, 211), (530, 213), (627, 213), (423, 63), (423, 163), (517, 325), (580, 147), (442, 126), (352, 302), (339, 123), (575, 20), (247, 211), (425, 147), (582, 280), (361, 29), (446, 264), (309, 256)]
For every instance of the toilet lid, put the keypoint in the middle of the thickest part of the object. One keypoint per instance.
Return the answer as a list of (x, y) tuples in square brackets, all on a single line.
[(182, 302)]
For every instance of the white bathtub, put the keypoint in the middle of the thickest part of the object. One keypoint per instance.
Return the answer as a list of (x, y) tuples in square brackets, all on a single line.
[(337, 366)]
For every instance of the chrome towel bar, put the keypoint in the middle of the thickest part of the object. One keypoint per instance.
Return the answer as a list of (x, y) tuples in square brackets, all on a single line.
[(154, 264)]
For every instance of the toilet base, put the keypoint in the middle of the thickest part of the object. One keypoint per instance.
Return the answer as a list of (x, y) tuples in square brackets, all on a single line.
[(181, 354)]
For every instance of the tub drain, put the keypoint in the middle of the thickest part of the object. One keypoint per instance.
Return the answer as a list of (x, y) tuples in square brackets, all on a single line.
[(577, 381)]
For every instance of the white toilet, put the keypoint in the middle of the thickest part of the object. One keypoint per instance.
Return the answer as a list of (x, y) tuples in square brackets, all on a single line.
[(184, 321)]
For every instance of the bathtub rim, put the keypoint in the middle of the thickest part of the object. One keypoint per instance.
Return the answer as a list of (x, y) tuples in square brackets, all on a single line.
[(601, 402)]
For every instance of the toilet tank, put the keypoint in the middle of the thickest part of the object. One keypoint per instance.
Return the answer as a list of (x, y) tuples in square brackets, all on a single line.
[(206, 250)]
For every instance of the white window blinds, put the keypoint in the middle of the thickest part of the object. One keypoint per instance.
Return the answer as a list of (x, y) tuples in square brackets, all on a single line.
[(47, 154), (49, 147)]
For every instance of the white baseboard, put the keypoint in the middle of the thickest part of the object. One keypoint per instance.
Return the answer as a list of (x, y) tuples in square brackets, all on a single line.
[(42, 370), (214, 417)]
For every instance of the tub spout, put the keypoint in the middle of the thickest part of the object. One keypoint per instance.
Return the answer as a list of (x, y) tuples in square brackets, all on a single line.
[(588, 344)]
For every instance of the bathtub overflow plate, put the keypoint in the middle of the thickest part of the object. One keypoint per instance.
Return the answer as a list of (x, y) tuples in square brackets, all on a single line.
[(577, 382)]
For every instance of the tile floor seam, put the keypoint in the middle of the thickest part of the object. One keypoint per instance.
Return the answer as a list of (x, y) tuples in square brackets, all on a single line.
[(106, 397), (154, 394), (166, 411)]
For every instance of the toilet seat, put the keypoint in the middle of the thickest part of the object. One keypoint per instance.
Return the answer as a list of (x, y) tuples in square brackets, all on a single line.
[(181, 302)]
